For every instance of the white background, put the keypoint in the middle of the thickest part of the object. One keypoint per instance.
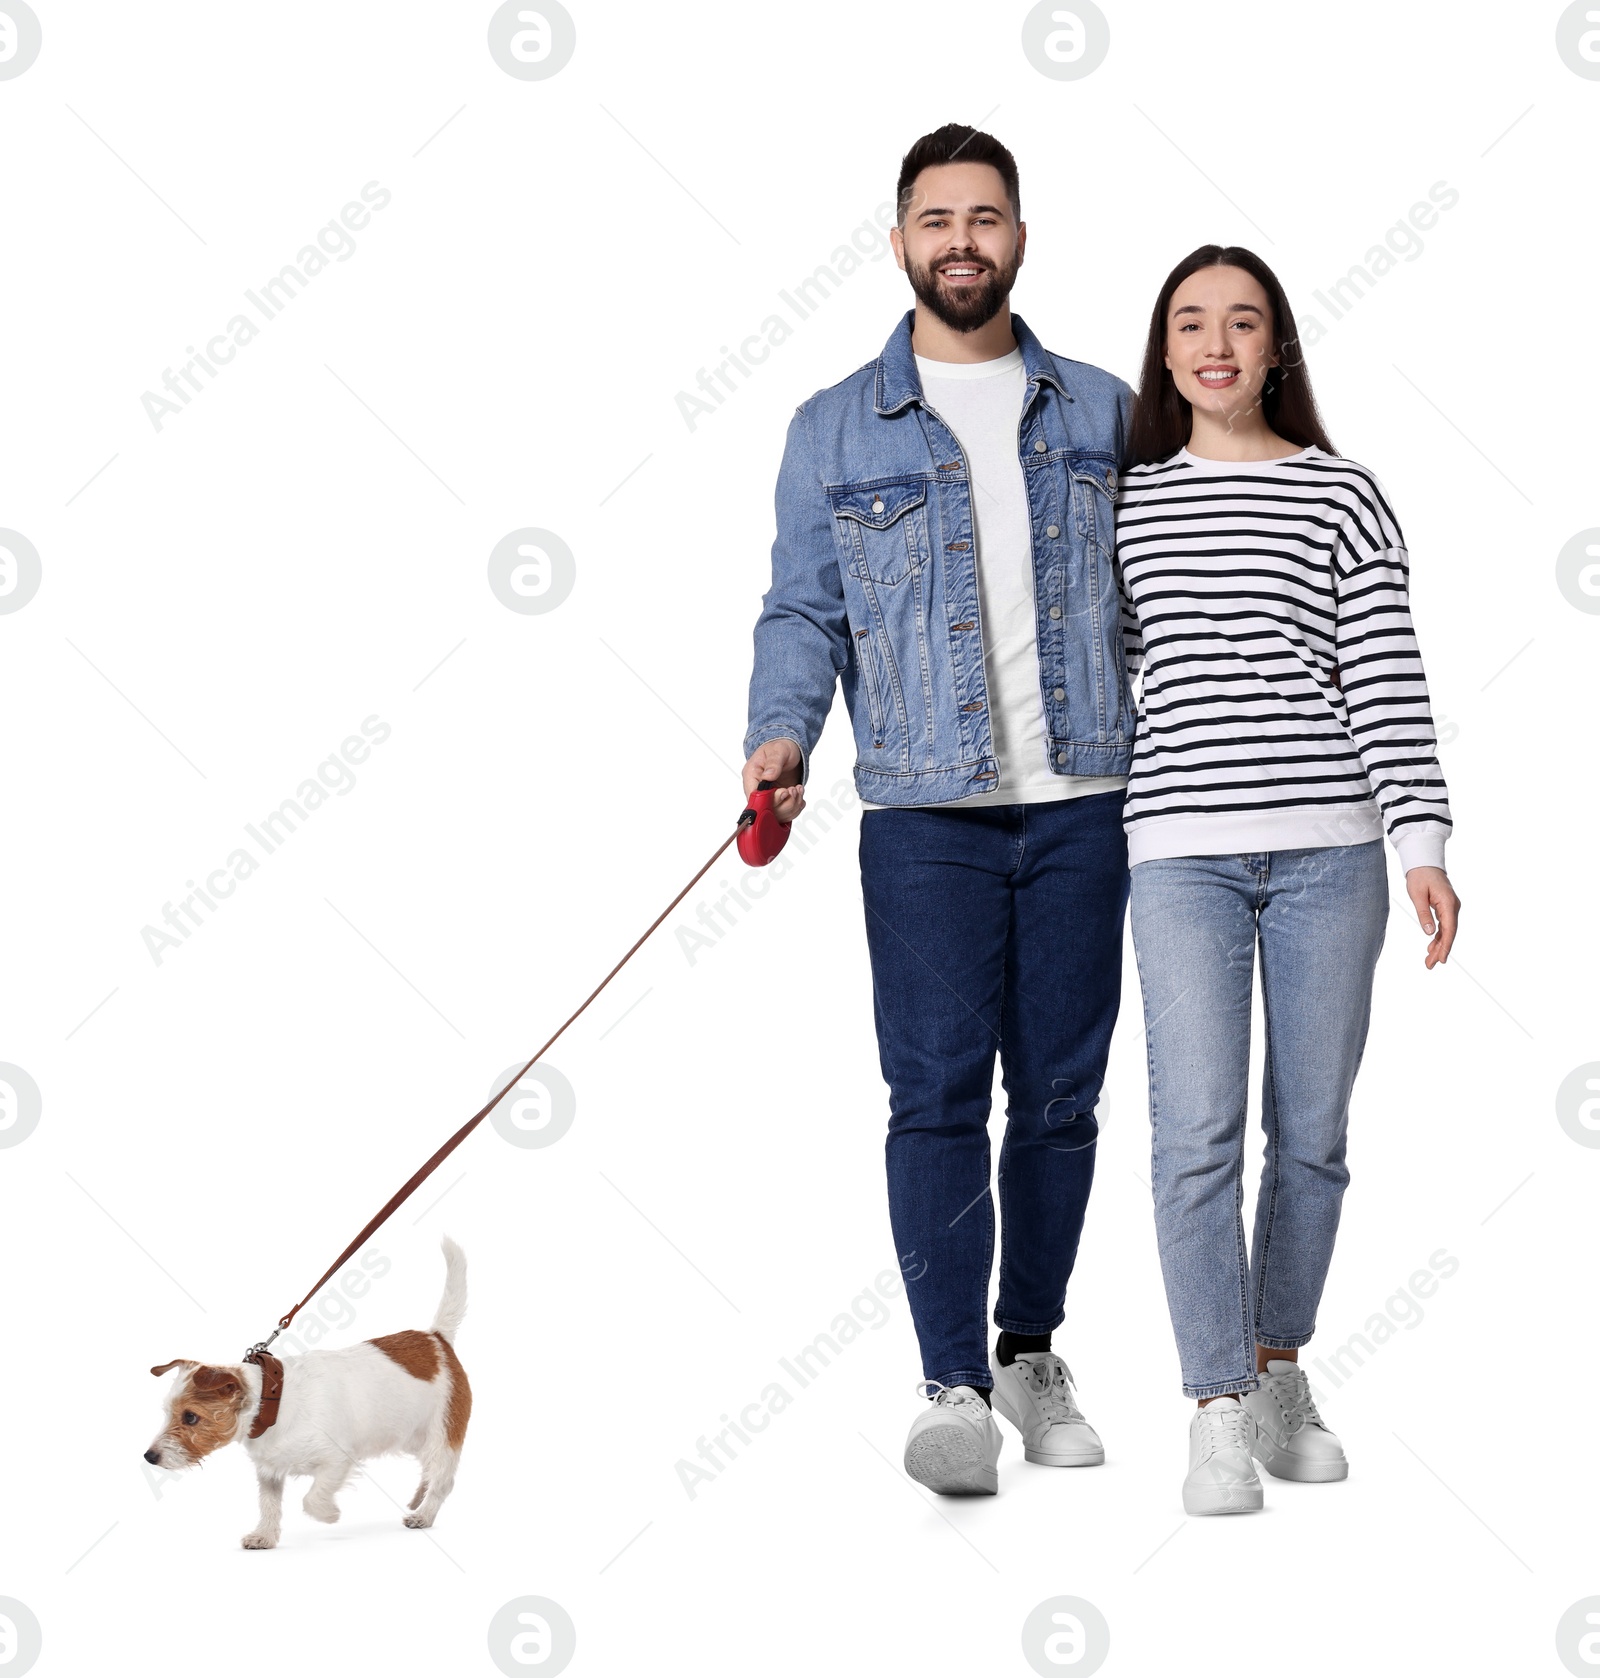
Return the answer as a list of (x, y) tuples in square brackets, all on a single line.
[(305, 545)]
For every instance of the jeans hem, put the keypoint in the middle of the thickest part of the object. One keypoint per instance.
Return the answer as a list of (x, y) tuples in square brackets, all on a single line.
[(1282, 1342), (1013, 1325), (964, 1378), (1220, 1389)]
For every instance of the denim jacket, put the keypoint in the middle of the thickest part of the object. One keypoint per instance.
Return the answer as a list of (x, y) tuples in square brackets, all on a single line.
[(874, 580)]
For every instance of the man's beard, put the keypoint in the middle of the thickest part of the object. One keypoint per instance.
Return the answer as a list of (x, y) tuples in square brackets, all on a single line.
[(972, 306)]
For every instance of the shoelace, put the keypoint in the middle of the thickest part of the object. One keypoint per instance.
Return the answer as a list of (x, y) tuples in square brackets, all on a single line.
[(1050, 1382), (1293, 1395), (951, 1396), (1225, 1430)]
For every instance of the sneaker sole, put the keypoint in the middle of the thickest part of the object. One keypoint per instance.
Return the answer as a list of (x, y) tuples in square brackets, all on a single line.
[(1084, 1459), (1060, 1459), (949, 1460), (1282, 1466), (1243, 1500)]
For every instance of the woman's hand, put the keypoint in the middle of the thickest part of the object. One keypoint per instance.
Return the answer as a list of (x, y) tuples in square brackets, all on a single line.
[(778, 761), (1437, 907)]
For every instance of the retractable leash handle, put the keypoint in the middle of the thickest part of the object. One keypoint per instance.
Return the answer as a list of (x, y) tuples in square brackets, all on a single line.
[(761, 834)]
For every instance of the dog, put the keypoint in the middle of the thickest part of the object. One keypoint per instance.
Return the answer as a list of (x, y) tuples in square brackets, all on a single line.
[(404, 1393)]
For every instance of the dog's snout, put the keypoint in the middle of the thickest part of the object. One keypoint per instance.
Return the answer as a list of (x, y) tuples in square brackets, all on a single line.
[(152, 1455)]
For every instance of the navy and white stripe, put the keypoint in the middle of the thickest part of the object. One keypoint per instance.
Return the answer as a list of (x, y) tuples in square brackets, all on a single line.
[(1253, 593)]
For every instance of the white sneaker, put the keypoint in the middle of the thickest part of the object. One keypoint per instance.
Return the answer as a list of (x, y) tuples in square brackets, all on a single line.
[(1034, 1394), (1222, 1479), (1292, 1441), (954, 1446)]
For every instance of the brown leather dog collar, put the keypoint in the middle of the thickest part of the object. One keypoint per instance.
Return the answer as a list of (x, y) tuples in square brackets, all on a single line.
[(271, 1391)]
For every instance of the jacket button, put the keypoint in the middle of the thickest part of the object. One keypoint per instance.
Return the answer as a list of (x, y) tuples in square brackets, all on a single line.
[(1040, 446), (877, 506), (1111, 480), (1060, 693), (1052, 531), (1061, 757), (1055, 611)]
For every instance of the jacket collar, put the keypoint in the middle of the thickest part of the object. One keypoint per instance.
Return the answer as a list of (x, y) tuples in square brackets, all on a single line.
[(898, 384)]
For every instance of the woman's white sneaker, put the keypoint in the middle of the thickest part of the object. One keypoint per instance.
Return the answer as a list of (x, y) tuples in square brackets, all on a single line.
[(1034, 1394), (1222, 1479), (954, 1446), (1292, 1441)]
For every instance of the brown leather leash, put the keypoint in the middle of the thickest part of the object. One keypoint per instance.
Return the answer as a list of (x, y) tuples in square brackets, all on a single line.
[(271, 1367)]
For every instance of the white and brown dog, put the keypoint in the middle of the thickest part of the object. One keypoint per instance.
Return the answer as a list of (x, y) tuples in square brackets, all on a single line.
[(404, 1393)]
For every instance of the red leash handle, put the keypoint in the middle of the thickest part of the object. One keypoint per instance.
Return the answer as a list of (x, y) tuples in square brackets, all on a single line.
[(761, 834)]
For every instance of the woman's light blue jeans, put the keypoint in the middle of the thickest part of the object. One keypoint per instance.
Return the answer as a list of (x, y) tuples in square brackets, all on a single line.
[(1318, 918)]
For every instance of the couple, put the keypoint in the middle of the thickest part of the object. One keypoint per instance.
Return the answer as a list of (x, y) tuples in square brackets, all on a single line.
[(986, 542)]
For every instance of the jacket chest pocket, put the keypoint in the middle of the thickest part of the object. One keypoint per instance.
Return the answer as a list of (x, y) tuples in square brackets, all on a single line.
[(1094, 490), (884, 527)]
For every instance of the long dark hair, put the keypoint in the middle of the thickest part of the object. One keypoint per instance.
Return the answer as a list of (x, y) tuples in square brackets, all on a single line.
[(1162, 417)]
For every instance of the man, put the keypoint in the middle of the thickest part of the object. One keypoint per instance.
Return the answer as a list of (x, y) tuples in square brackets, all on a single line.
[(945, 547)]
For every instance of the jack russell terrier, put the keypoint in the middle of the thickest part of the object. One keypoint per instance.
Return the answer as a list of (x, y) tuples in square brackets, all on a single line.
[(403, 1393)]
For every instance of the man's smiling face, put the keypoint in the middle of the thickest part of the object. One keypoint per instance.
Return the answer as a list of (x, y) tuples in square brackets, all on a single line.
[(960, 244)]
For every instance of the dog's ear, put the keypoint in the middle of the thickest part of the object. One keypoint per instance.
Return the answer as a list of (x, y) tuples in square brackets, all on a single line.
[(217, 1383), (162, 1368)]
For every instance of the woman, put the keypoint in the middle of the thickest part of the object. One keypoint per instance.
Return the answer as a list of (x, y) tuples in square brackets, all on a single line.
[(1283, 729)]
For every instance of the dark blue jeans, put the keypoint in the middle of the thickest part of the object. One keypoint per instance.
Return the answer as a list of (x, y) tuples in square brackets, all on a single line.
[(992, 928)]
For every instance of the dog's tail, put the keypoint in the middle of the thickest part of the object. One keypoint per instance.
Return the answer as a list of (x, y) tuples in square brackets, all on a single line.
[(453, 1303)]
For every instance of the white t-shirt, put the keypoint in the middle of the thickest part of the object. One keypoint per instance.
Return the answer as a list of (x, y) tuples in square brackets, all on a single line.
[(981, 402)]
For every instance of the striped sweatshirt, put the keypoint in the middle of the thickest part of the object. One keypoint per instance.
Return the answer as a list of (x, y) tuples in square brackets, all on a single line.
[(1283, 703)]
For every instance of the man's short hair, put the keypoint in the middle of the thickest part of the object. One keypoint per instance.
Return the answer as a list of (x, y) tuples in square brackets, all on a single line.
[(956, 143)]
